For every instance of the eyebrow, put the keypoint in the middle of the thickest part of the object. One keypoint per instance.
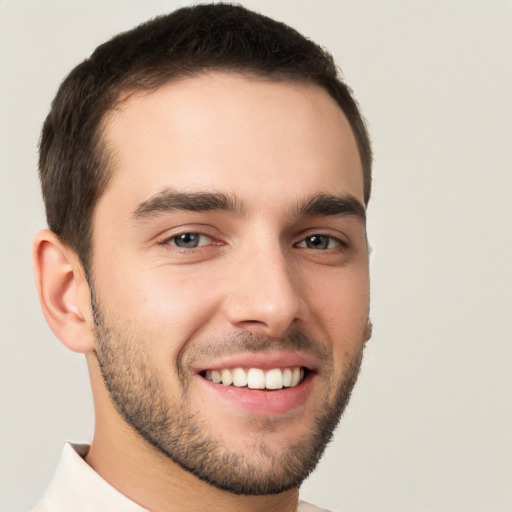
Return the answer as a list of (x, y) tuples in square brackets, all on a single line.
[(169, 200), (331, 205)]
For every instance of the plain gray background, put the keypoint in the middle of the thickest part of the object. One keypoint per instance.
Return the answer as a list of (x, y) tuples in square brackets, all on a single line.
[(430, 423)]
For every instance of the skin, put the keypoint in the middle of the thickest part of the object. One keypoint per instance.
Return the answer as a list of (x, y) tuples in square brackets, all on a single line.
[(256, 274)]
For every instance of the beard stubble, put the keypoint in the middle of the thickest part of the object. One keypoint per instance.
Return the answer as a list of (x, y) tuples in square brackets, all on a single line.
[(178, 432)]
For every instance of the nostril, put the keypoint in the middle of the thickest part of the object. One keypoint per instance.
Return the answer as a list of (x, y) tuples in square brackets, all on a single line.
[(266, 299), (273, 328)]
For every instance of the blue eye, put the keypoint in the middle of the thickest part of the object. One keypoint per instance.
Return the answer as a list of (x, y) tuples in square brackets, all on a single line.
[(189, 240), (320, 242)]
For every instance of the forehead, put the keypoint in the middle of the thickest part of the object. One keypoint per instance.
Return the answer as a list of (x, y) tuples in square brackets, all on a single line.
[(231, 132)]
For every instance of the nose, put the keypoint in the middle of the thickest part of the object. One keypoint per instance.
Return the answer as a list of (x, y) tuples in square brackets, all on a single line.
[(263, 295)]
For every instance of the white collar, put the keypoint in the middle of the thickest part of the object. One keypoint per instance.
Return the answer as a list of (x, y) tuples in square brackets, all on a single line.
[(77, 487)]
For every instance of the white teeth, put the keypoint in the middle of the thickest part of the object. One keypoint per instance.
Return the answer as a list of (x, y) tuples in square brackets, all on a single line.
[(274, 379), (227, 378), (295, 376), (239, 378), (287, 378), (256, 378)]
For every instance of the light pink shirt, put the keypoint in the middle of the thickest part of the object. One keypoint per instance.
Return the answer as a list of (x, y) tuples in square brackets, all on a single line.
[(76, 487)]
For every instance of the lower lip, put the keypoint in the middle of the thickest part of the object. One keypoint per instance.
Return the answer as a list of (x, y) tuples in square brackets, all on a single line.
[(263, 402)]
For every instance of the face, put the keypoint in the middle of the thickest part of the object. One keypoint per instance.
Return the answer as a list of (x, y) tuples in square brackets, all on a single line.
[(230, 275)]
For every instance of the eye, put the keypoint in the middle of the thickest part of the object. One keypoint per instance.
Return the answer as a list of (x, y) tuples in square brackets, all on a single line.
[(320, 242), (189, 240)]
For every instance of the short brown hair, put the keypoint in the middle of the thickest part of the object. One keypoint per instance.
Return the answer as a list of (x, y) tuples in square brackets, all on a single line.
[(73, 164)]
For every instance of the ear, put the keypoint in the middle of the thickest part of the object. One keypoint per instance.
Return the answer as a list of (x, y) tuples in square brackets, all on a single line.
[(63, 292)]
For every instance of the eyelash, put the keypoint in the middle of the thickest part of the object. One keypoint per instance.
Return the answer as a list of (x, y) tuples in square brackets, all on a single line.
[(338, 243), (190, 234), (307, 242)]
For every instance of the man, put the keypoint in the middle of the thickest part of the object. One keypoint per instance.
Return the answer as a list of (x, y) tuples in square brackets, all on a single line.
[(205, 177)]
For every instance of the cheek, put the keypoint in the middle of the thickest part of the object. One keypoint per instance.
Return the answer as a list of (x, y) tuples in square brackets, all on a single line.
[(342, 311), (166, 309), (342, 298), (174, 306)]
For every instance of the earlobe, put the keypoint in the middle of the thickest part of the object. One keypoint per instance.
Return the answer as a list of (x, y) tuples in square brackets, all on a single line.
[(63, 292)]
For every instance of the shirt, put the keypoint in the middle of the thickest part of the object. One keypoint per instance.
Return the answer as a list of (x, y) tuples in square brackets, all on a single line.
[(77, 487)]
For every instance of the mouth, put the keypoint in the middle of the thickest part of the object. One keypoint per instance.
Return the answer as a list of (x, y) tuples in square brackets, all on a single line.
[(267, 383), (257, 378)]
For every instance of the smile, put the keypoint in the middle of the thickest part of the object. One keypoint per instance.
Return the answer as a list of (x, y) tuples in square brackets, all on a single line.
[(256, 378)]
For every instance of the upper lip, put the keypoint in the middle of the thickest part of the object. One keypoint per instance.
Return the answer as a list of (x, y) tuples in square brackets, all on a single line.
[(264, 360)]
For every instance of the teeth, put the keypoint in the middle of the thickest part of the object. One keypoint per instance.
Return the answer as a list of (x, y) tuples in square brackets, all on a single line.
[(287, 378), (274, 379), (296, 375), (227, 378), (256, 378), (239, 377)]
